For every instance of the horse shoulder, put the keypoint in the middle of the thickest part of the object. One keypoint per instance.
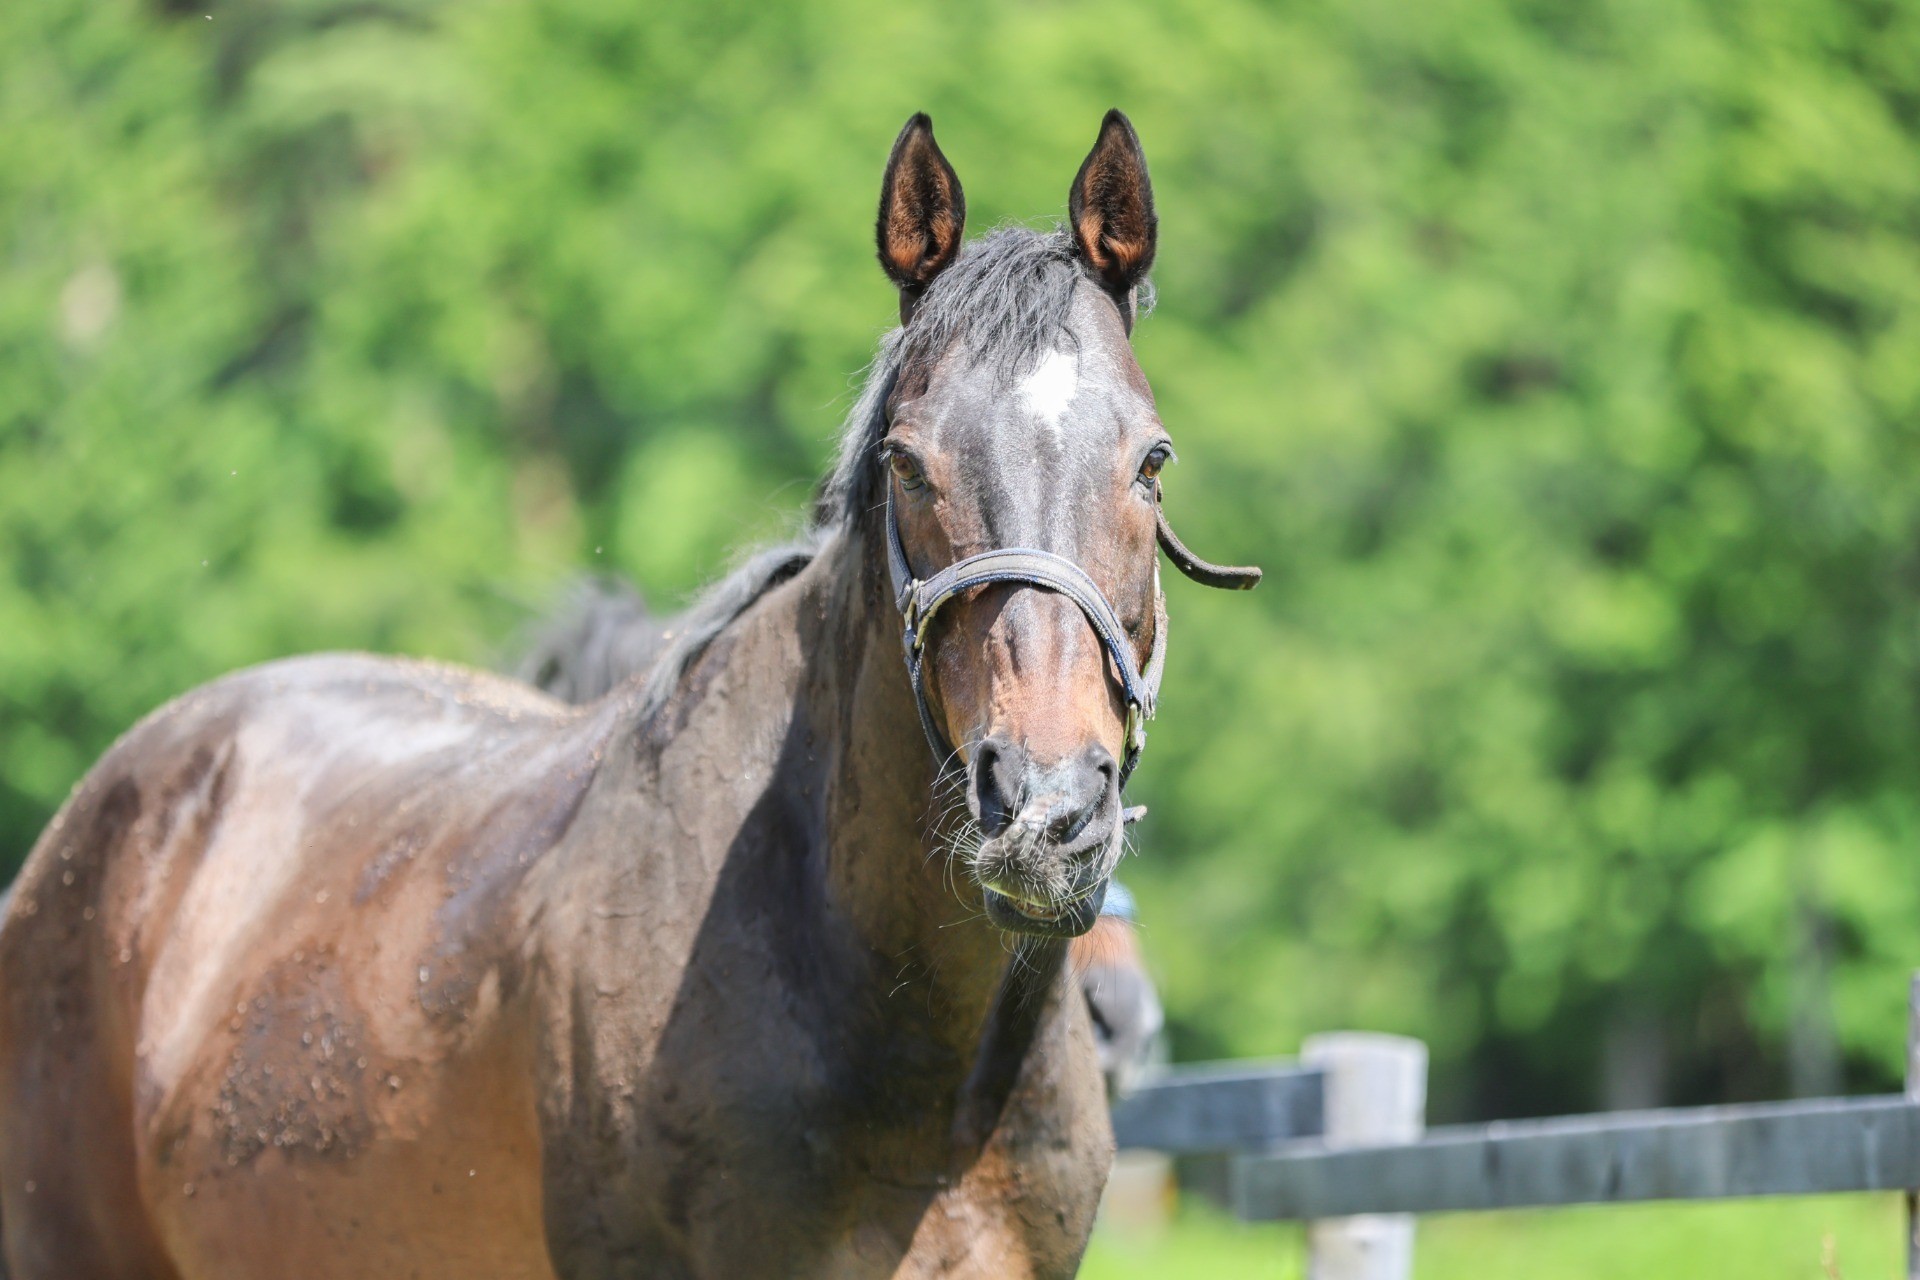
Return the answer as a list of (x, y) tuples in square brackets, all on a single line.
[(272, 931)]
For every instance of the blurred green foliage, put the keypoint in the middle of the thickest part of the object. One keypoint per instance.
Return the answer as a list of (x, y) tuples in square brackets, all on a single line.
[(1558, 360)]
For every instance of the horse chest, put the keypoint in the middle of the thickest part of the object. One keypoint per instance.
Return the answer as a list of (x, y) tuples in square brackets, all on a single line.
[(778, 1141)]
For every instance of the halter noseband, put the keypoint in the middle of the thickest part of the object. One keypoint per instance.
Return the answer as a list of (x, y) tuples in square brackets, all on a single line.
[(920, 599)]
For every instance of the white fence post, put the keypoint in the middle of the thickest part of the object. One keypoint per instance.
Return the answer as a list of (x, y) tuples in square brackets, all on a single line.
[(1376, 1092)]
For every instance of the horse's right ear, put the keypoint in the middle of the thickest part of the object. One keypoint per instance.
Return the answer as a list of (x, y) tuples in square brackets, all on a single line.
[(922, 213)]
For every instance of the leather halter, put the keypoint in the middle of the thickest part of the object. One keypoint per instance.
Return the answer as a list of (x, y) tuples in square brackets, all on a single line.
[(920, 599)]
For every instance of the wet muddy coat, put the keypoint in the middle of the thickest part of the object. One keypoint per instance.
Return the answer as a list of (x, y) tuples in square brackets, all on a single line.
[(352, 967)]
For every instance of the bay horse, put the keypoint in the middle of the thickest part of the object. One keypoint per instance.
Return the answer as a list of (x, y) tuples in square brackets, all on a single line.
[(347, 966)]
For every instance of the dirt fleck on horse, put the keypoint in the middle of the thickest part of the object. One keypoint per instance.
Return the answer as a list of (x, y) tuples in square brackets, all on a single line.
[(347, 966)]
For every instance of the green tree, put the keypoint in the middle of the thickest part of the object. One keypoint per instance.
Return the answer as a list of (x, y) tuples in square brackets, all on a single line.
[(1557, 360)]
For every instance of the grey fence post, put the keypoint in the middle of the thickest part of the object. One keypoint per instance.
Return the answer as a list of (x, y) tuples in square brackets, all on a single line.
[(1376, 1092), (1913, 1092)]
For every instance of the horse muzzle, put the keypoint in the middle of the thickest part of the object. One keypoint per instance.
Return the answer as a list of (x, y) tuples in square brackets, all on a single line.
[(1052, 836)]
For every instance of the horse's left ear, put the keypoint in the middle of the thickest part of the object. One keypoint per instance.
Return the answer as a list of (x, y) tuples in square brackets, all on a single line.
[(1111, 211)]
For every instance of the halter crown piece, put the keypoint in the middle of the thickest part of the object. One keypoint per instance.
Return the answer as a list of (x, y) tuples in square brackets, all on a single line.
[(920, 599)]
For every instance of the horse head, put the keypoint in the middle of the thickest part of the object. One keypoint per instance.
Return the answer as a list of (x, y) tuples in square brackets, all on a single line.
[(1022, 455)]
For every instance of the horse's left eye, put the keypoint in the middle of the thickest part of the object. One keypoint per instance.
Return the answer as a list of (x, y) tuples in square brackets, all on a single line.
[(905, 471), (1156, 458)]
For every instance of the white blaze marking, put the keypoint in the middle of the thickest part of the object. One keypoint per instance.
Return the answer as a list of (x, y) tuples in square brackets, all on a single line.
[(1050, 388)]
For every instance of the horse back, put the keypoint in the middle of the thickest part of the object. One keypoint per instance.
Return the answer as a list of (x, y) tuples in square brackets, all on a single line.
[(254, 961)]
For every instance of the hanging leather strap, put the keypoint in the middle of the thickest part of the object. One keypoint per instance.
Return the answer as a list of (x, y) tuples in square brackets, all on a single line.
[(1227, 577)]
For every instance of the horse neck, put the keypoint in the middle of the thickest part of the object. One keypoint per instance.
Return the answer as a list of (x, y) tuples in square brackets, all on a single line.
[(890, 873)]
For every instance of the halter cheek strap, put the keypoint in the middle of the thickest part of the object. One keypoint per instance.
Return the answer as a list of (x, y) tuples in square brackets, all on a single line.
[(920, 600)]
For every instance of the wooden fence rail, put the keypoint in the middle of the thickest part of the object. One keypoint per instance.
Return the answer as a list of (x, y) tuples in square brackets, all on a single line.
[(1337, 1141), (1704, 1153), (1216, 1108)]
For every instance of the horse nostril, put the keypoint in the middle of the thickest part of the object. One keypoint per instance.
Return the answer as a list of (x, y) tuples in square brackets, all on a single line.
[(1089, 786), (1104, 764), (997, 766)]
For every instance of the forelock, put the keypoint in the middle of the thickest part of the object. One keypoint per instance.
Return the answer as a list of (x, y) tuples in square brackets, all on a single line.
[(1006, 300)]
